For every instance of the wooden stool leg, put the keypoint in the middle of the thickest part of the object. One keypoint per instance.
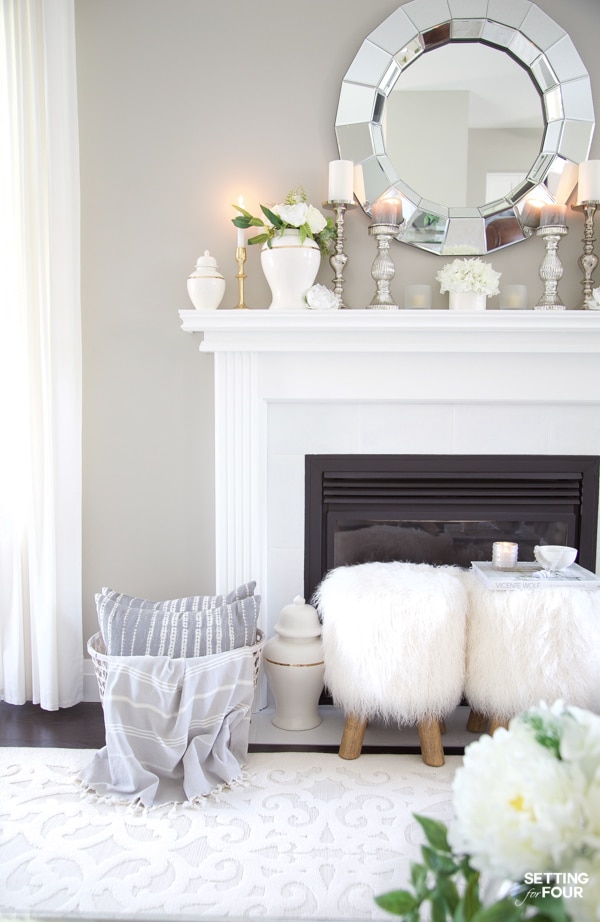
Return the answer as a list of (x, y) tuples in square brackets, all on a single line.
[(352, 739), (477, 723), (442, 724), (496, 722), (430, 738)]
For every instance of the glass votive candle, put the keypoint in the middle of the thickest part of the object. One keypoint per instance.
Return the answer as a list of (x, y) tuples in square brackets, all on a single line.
[(513, 298), (504, 555), (417, 297)]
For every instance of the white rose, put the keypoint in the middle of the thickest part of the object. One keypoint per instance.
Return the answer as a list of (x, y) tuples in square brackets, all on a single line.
[(294, 215), (321, 298), (596, 297), (315, 220)]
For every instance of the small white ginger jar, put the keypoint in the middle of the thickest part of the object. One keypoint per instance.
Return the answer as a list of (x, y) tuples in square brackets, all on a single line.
[(293, 663), (206, 285)]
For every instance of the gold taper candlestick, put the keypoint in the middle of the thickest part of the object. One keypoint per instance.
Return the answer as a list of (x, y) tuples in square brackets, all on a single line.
[(240, 256)]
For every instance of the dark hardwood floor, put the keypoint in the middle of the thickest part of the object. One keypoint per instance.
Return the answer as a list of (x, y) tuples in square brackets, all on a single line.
[(79, 727)]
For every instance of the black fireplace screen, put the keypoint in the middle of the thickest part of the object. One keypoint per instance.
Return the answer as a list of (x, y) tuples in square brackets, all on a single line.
[(445, 509)]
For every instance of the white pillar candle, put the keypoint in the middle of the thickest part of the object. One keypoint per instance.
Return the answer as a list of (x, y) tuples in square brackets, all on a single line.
[(387, 211), (241, 238), (553, 215), (417, 297), (513, 297), (589, 181), (341, 180), (504, 555)]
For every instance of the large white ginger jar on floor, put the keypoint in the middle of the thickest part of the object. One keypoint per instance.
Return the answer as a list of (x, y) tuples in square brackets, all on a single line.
[(294, 666)]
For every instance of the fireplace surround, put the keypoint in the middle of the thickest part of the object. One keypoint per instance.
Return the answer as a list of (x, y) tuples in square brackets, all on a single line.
[(290, 384)]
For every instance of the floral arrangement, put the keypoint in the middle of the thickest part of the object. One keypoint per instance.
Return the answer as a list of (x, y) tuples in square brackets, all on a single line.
[(320, 298), (295, 213), (527, 813), (596, 299), (469, 275)]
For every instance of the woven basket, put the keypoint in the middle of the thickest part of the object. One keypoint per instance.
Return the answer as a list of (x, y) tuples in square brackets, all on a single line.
[(100, 659)]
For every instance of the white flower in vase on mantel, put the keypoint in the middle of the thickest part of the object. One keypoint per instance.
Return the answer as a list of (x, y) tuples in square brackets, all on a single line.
[(469, 282), (295, 237), (594, 302)]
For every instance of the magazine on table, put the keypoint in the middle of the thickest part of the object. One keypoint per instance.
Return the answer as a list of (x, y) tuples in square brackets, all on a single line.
[(529, 575)]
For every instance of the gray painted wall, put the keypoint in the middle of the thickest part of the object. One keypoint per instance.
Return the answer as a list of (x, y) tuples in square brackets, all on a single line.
[(185, 104)]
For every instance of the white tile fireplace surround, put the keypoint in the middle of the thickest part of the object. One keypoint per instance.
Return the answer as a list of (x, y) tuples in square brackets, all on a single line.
[(289, 384)]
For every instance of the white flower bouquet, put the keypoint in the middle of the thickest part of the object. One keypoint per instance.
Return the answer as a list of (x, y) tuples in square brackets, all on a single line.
[(469, 275), (527, 812), (293, 213)]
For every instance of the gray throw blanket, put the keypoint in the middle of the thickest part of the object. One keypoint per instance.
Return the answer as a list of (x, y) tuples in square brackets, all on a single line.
[(176, 729)]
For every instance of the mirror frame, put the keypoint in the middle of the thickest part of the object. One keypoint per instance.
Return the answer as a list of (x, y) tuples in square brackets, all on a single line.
[(524, 32)]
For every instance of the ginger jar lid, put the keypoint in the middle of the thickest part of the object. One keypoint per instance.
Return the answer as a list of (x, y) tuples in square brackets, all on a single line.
[(299, 620), (206, 267)]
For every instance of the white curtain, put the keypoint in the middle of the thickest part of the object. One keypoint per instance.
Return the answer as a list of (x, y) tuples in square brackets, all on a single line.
[(41, 652)]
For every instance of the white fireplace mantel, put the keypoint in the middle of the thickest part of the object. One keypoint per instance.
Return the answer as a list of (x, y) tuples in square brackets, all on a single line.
[(394, 331), (288, 384)]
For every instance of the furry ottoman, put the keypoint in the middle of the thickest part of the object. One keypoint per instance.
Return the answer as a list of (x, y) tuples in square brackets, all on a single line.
[(528, 645), (393, 643)]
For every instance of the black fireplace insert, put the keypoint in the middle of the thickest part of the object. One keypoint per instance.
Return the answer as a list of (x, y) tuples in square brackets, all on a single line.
[(445, 509)]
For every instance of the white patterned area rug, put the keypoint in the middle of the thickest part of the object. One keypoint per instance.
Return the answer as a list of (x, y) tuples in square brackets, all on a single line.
[(307, 835)]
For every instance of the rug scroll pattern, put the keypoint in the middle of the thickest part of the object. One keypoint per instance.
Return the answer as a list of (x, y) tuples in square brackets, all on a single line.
[(306, 836)]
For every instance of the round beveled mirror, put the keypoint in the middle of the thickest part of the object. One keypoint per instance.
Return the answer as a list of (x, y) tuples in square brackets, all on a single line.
[(464, 114)]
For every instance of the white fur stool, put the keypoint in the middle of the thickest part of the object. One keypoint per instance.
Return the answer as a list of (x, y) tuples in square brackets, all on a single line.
[(394, 648), (530, 645)]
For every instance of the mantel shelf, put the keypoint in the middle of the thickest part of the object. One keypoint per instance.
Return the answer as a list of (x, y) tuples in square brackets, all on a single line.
[(555, 332)]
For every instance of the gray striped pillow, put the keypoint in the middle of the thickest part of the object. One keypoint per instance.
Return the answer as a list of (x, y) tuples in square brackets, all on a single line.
[(192, 603), (132, 630)]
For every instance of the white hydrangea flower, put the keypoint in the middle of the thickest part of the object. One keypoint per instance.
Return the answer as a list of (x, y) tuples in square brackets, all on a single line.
[(469, 275), (596, 299), (321, 298), (518, 808)]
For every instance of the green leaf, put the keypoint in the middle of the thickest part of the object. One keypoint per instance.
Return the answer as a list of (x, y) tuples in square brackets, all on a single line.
[(260, 238), (242, 211), (438, 862), (438, 908), (418, 876), (273, 218), (435, 832), (449, 893), (397, 902), (470, 901)]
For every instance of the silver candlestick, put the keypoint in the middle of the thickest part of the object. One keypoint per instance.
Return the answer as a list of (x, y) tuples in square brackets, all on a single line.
[(338, 260), (383, 270), (551, 269), (588, 260)]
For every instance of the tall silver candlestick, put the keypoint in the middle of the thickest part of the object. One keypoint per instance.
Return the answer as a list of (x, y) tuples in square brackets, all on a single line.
[(551, 269), (339, 258), (383, 270), (588, 260)]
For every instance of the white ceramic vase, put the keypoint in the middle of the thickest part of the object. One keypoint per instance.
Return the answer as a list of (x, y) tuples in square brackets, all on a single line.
[(467, 301), (294, 666), (290, 268)]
